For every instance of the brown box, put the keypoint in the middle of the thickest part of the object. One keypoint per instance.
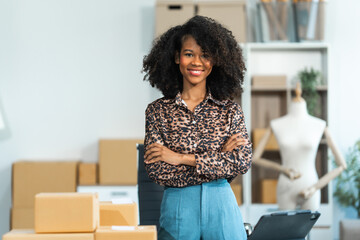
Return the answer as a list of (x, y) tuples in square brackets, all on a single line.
[(118, 214), (22, 218), (268, 190), (172, 13), (231, 14), (126, 232), (66, 212), (32, 177), (270, 81), (87, 173), (29, 234), (258, 134), (118, 161), (236, 187)]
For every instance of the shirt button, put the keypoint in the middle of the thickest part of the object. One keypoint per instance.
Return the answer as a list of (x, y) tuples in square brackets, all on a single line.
[(195, 145), (193, 122)]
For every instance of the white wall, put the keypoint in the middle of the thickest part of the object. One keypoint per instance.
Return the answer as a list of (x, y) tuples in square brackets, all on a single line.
[(343, 35), (70, 74)]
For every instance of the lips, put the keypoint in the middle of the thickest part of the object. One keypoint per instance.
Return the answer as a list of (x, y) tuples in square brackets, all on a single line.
[(195, 72)]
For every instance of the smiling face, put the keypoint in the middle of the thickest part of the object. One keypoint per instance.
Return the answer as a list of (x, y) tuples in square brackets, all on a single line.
[(195, 65)]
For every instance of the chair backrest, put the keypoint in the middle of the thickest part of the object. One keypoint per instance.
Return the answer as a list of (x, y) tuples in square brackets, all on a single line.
[(150, 194)]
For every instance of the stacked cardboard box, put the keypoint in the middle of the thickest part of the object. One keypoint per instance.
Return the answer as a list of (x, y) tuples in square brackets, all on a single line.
[(126, 232), (66, 212), (125, 214), (276, 81), (29, 234), (118, 161), (230, 13), (258, 134), (32, 177), (268, 190), (76, 216), (87, 174)]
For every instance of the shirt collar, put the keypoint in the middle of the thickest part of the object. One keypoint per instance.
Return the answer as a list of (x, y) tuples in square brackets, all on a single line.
[(179, 100)]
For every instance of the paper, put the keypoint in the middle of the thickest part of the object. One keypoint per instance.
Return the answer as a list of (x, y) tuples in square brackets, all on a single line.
[(123, 228), (122, 200)]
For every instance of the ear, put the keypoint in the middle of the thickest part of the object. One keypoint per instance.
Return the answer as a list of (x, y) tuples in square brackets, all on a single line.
[(177, 58)]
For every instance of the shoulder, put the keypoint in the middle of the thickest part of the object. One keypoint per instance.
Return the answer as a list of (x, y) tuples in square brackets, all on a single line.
[(159, 104), (232, 106)]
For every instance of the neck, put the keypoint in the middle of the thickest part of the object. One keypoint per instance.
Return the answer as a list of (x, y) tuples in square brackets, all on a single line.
[(298, 109), (193, 92)]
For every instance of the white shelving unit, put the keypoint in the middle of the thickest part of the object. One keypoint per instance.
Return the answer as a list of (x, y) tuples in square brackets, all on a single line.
[(283, 59)]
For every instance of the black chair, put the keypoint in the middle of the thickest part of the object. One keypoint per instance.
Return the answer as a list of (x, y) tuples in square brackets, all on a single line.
[(150, 194)]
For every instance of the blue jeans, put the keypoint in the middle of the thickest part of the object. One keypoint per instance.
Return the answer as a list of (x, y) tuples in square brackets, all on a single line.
[(208, 212)]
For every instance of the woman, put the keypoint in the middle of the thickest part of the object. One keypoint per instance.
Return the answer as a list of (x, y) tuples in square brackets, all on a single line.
[(196, 140)]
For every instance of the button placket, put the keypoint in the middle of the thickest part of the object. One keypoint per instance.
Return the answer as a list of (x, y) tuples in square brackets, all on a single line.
[(194, 127)]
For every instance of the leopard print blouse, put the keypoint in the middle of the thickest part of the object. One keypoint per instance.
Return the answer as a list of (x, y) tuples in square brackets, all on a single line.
[(203, 133)]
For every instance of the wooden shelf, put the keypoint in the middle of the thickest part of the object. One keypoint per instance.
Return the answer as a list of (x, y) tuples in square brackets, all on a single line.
[(278, 89)]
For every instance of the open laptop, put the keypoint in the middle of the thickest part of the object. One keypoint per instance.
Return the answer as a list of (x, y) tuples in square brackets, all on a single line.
[(290, 225)]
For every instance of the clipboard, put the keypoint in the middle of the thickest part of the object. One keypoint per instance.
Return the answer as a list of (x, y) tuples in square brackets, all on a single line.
[(289, 225)]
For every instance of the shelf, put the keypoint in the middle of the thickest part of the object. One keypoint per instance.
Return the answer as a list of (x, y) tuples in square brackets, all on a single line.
[(278, 89), (276, 46), (261, 104)]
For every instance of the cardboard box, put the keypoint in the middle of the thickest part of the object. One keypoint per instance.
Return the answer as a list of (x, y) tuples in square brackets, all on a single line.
[(118, 214), (172, 13), (126, 232), (29, 234), (31, 177), (270, 81), (258, 134), (22, 218), (236, 187), (66, 212), (268, 190), (87, 173), (118, 161), (231, 14)]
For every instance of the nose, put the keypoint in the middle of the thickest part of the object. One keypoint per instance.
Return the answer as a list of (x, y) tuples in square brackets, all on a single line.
[(196, 61)]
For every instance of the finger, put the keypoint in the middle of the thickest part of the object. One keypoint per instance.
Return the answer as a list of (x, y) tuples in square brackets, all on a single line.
[(153, 145), (235, 136), (243, 141), (154, 160), (152, 155), (232, 145), (154, 148), (237, 142)]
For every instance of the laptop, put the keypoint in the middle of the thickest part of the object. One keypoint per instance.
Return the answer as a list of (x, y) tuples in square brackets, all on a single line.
[(289, 225)]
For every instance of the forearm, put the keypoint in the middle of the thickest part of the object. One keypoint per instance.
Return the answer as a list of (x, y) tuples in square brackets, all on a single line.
[(188, 159), (216, 164)]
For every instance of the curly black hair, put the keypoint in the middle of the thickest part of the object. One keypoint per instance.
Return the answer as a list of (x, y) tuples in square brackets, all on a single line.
[(227, 76)]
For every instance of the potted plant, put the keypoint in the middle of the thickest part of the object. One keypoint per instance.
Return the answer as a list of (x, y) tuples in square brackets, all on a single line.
[(347, 187), (309, 80)]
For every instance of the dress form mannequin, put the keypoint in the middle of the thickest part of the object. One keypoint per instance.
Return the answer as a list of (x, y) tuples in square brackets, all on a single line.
[(298, 135)]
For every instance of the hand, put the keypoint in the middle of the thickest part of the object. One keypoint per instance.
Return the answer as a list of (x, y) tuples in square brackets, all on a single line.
[(292, 174), (157, 152), (308, 192), (233, 142)]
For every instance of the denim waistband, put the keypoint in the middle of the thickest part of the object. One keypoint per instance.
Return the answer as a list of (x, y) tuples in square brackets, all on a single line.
[(214, 182)]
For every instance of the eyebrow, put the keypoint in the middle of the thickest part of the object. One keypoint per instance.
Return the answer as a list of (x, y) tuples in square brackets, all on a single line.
[(189, 50)]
